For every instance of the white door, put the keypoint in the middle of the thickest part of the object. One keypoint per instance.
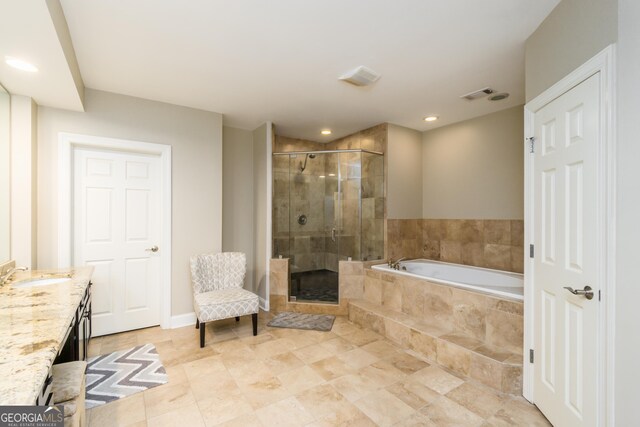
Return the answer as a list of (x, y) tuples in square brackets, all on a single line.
[(116, 229), (565, 234)]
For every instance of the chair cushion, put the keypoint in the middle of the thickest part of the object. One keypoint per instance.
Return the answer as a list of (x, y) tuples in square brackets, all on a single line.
[(225, 303), (67, 380)]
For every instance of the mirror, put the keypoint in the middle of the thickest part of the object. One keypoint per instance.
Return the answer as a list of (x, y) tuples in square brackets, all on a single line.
[(5, 178)]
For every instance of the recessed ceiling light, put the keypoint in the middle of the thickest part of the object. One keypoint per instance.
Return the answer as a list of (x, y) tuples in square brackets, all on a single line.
[(499, 96), (321, 176), (431, 118), (332, 174), (20, 64), (326, 132)]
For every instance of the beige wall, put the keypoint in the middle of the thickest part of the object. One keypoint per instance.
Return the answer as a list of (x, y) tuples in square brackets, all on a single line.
[(474, 169), (574, 32), (237, 195), (196, 140), (627, 295), (261, 208), (404, 168)]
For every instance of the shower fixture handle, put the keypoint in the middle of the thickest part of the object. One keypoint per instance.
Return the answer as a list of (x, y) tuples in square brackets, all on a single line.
[(587, 291), (333, 234)]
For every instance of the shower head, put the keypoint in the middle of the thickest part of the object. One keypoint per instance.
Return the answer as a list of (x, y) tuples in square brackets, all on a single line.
[(307, 157)]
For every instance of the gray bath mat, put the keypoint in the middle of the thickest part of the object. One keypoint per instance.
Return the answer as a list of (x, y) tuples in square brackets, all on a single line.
[(314, 322), (123, 373)]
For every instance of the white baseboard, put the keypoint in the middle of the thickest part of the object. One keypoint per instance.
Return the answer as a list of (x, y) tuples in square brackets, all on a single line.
[(182, 320), (264, 304)]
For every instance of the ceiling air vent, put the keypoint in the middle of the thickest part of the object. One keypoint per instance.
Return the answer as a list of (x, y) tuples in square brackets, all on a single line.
[(361, 76), (478, 94)]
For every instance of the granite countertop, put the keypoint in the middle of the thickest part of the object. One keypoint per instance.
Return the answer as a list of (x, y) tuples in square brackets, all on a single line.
[(33, 323)]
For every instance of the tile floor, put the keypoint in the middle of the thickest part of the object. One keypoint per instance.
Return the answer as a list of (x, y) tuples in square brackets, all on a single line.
[(287, 377)]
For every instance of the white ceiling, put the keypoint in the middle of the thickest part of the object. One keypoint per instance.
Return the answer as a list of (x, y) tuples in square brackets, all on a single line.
[(35, 31), (256, 60)]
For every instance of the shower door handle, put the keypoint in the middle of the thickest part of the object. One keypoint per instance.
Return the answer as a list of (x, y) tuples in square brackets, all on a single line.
[(333, 234)]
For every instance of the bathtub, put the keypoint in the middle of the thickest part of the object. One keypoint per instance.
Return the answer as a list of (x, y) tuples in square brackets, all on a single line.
[(494, 282)]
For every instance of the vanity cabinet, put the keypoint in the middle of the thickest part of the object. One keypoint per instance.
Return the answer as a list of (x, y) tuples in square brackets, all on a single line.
[(76, 342)]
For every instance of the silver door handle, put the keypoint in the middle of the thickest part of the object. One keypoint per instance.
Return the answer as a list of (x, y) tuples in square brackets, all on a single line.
[(152, 249), (333, 234), (587, 291)]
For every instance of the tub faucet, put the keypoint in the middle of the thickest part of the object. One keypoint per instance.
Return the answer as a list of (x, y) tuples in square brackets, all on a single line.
[(6, 276), (396, 264)]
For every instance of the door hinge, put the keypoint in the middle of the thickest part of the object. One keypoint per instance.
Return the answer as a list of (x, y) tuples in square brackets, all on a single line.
[(531, 356), (531, 251), (599, 295), (532, 141)]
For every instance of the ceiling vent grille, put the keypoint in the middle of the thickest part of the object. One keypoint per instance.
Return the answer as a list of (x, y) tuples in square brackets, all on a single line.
[(477, 94), (361, 76)]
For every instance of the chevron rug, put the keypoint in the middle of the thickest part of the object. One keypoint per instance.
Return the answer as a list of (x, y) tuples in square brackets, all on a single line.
[(316, 322), (123, 373)]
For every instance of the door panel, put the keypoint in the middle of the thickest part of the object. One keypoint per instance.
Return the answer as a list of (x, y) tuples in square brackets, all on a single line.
[(565, 206), (116, 205)]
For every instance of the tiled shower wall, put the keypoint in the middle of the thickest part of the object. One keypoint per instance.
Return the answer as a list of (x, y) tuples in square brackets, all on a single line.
[(497, 244)]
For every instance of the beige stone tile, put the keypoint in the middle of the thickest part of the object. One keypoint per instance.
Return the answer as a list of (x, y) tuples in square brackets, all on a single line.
[(384, 408), (331, 368), (413, 393), (176, 374), (175, 356), (512, 380), (445, 412), (166, 398), (382, 373), (247, 419), (416, 420), (218, 384), (357, 358), (373, 290), (482, 401), (451, 251), (505, 330), (287, 412), (153, 335), (220, 409), (436, 379), (406, 363), (337, 345), (362, 337), (437, 303), (300, 379), (347, 415), (273, 347), (355, 386), (204, 368), (312, 353), (344, 328), (122, 412), (381, 349), (283, 362), (497, 231), (487, 371), (397, 332), (423, 344), (517, 412), (185, 416), (264, 392), (118, 342), (497, 256), (251, 372), (454, 357), (321, 400), (412, 294)]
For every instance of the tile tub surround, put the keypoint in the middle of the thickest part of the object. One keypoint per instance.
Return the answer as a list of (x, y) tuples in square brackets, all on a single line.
[(351, 282), (497, 244), (475, 335), (372, 139), (33, 323)]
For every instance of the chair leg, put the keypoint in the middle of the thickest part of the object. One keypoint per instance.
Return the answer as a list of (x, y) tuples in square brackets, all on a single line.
[(202, 335), (197, 323), (237, 318), (254, 320)]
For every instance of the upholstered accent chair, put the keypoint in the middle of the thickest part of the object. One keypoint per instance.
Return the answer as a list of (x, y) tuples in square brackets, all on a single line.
[(217, 281)]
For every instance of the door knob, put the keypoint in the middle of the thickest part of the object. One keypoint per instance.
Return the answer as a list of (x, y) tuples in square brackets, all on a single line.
[(152, 249), (587, 291)]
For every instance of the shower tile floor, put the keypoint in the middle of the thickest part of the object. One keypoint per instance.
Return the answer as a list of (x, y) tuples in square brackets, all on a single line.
[(316, 285), (289, 377)]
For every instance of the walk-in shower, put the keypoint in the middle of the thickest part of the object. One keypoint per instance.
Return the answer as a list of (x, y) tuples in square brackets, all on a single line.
[(327, 206)]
